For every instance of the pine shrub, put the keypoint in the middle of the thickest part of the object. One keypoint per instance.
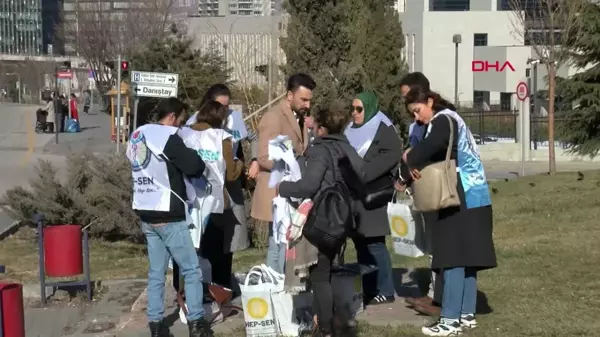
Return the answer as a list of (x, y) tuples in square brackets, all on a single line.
[(93, 189)]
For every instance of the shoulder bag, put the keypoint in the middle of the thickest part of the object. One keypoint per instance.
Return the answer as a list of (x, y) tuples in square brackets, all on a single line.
[(437, 187)]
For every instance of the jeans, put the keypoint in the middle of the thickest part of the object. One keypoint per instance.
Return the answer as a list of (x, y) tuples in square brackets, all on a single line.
[(460, 292), (372, 251), (172, 239), (320, 283), (275, 253)]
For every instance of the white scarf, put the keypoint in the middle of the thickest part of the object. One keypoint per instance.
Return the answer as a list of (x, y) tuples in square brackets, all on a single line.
[(361, 138)]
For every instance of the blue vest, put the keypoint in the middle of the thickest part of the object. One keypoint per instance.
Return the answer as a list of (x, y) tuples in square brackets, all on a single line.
[(470, 167)]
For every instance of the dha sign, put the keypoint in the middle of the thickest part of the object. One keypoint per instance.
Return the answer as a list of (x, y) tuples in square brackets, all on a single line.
[(485, 66)]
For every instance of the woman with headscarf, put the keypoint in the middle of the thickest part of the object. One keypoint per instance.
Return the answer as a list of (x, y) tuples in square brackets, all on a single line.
[(374, 137)]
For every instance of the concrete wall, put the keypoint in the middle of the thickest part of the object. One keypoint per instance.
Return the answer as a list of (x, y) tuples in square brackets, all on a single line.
[(512, 152), (507, 79)]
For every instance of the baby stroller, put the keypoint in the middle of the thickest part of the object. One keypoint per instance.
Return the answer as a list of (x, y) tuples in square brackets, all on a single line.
[(40, 120)]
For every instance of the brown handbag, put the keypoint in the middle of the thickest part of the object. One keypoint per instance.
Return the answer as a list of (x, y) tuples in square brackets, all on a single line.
[(437, 187)]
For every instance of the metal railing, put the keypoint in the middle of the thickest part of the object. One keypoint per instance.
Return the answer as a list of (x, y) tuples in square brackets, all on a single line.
[(492, 126), (539, 132)]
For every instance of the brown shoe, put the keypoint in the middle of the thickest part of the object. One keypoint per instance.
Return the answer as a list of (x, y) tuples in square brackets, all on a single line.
[(427, 309), (412, 301)]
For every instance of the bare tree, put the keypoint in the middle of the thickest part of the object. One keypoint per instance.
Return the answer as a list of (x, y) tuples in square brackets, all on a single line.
[(98, 31), (546, 26)]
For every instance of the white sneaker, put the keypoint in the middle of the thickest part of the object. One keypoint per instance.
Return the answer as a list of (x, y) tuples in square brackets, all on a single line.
[(443, 327), (468, 322)]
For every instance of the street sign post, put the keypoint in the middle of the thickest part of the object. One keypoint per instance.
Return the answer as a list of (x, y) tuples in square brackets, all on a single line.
[(522, 91), (159, 85), (523, 96), (148, 84)]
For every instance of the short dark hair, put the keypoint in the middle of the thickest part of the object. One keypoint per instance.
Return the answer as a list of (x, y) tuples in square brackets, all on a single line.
[(215, 91), (212, 113), (334, 118), (170, 105), (416, 79), (300, 80)]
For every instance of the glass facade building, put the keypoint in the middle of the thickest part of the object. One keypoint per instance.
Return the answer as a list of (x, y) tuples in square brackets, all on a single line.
[(21, 27)]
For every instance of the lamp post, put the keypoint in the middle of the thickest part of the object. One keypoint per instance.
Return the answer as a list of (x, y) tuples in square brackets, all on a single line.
[(456, 39), (534, 83)]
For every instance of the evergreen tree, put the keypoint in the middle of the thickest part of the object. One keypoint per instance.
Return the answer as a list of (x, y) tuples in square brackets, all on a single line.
[(581, 130), (348, 46)]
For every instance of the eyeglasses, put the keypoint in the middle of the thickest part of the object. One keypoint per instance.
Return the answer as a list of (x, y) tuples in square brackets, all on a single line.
[(358, 109)]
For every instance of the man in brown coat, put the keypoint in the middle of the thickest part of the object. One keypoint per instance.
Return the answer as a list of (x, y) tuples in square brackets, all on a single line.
[(285, 118)]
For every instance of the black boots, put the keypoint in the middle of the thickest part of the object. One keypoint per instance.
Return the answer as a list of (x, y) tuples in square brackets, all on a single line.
[(159, 329), (200, 328)]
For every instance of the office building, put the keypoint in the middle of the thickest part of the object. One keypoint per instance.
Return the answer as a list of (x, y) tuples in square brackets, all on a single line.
[(239, 7), (489, 32), (127, 27), (21, 27), (248, 44)]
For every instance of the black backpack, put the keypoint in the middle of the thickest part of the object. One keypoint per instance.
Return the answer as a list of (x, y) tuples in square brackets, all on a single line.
[(331, 219)]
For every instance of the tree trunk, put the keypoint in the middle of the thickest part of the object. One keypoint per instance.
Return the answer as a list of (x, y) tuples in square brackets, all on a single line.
[(551, 94)]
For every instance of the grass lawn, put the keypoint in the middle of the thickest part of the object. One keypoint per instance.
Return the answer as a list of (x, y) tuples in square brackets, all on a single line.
[(547, 231)]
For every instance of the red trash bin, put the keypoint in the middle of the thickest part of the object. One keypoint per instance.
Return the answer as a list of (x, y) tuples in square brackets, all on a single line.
[(62, 250), (13, 319)]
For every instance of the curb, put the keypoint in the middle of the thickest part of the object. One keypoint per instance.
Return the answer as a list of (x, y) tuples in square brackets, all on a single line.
[(32, 290), (10, 230)]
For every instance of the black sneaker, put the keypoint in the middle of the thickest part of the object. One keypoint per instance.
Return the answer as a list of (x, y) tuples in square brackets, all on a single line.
[(380, 299), (200, 328)]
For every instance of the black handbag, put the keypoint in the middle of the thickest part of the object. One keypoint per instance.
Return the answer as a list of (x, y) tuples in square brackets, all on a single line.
[(378, 192)]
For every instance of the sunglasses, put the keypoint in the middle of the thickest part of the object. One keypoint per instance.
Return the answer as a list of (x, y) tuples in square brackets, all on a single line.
[(358, 109)]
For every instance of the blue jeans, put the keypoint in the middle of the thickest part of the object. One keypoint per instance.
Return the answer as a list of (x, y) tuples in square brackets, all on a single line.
[(172, 239), (372, 251), (275, 253), (460, 292)]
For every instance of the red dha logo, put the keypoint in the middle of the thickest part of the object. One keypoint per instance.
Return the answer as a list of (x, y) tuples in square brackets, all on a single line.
[(485, 66)]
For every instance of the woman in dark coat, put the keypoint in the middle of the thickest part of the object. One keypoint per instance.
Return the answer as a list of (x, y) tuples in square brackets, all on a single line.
[(462, 236), (373, 136)]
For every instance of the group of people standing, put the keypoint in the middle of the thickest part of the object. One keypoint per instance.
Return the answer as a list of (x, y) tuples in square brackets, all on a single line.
[(59, 113), (171, 168)]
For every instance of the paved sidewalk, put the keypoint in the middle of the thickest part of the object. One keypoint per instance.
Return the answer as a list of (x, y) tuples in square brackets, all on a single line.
[(77, 317), (119, 310), (395, 314), (93, 138)]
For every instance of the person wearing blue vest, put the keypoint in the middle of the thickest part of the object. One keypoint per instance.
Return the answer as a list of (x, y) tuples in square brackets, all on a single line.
[(462, 235), (430, 303)]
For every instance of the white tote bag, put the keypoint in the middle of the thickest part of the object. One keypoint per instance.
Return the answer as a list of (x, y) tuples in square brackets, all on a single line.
[(287, 305), (259, 316), (407, 234)]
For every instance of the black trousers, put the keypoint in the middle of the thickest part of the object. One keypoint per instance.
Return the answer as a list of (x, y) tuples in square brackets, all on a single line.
[(212, 248), (320, 283)]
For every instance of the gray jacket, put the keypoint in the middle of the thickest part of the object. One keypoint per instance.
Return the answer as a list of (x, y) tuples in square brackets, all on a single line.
[(318, 167)]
